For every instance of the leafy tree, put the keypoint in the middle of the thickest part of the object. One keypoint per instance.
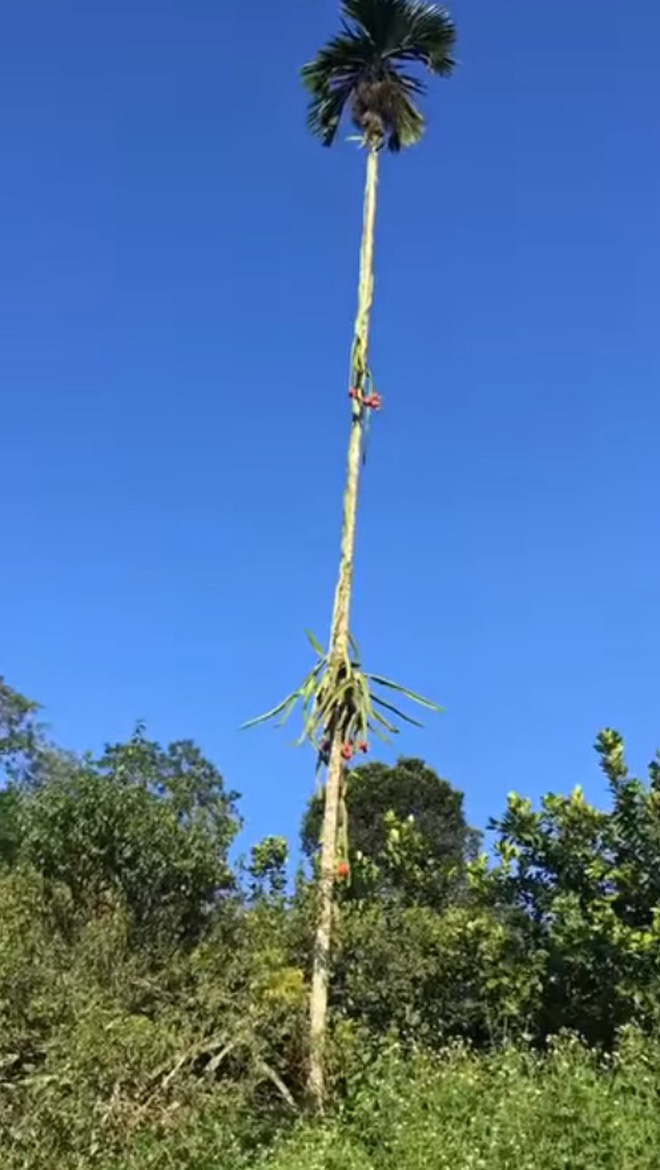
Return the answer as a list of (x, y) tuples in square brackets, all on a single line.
[(137, 984), (268, 868), (408, 837), (19, 733), (429, 976), (584, 886), (21, 749), (151, 823), (101, 1037), (9, 826)]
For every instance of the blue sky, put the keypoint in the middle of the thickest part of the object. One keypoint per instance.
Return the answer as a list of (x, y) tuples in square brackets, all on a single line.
[(176, 296)]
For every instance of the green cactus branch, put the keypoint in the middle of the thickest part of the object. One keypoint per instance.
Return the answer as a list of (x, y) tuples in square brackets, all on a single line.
[(344, 698)]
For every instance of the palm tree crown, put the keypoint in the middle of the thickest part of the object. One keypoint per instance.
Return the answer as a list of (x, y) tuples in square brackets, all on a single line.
[(362, 70)]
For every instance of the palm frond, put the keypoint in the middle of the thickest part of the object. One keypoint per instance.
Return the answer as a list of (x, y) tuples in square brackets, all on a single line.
[(412, 30), (427, 34), (331, 79), (406, 122), (359, 70)]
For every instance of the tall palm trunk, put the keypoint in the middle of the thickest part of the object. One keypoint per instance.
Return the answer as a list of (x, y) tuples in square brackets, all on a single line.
[(339, 648)]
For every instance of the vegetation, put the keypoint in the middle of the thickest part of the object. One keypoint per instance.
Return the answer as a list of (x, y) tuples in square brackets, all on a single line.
[(506, 1111), (154, 995), (163, 1005)]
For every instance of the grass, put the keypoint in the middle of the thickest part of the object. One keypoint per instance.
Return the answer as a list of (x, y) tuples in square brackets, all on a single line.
[(508, 1111), (511, 1110)]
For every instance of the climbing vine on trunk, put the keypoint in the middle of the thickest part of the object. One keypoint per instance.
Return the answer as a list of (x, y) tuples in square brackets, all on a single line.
[(341, 703)]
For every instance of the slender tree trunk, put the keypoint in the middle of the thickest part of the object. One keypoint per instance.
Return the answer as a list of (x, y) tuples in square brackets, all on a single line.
[(339, 648)]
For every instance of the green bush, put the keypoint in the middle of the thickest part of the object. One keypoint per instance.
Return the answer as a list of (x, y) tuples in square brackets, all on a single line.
[(431, 977), (510, 1110), (461, 1110)]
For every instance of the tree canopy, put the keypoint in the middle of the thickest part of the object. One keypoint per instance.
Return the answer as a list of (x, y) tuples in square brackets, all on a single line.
[(408, 836), (365, 70)]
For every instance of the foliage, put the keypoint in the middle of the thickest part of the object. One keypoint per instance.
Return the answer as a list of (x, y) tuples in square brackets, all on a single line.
[(153, 999), (9, 826), (364, 70), (153, 824), (509, 1109), (267, 868), (463, 1109), (141, 989), (343, 700), (408, 837), (19, 732), (429, 977), (584, 885), (102, 1043)]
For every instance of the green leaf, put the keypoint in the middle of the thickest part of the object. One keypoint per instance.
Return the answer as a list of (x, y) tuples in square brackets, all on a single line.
[(396, 711), (333, 699), (381, 735), (309, 687), (316, 646), (385, 723), (355, 649), (288, 711), (272, 713), (414, 698), (367, 697), (363, 71)]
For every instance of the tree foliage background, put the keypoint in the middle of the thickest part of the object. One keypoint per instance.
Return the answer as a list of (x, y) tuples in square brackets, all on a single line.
[(153, 991)]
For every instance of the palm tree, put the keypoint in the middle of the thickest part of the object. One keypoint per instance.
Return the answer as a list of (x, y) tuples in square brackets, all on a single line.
[(362, 73)]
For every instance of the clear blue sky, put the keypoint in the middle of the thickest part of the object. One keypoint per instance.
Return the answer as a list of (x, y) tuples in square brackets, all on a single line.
[(176, 294)]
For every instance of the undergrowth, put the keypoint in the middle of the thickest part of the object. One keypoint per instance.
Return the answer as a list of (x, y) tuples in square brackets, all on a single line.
[(510, 1110)]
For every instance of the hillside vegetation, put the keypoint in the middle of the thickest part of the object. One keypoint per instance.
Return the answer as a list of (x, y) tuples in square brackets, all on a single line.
[(154, 996)]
